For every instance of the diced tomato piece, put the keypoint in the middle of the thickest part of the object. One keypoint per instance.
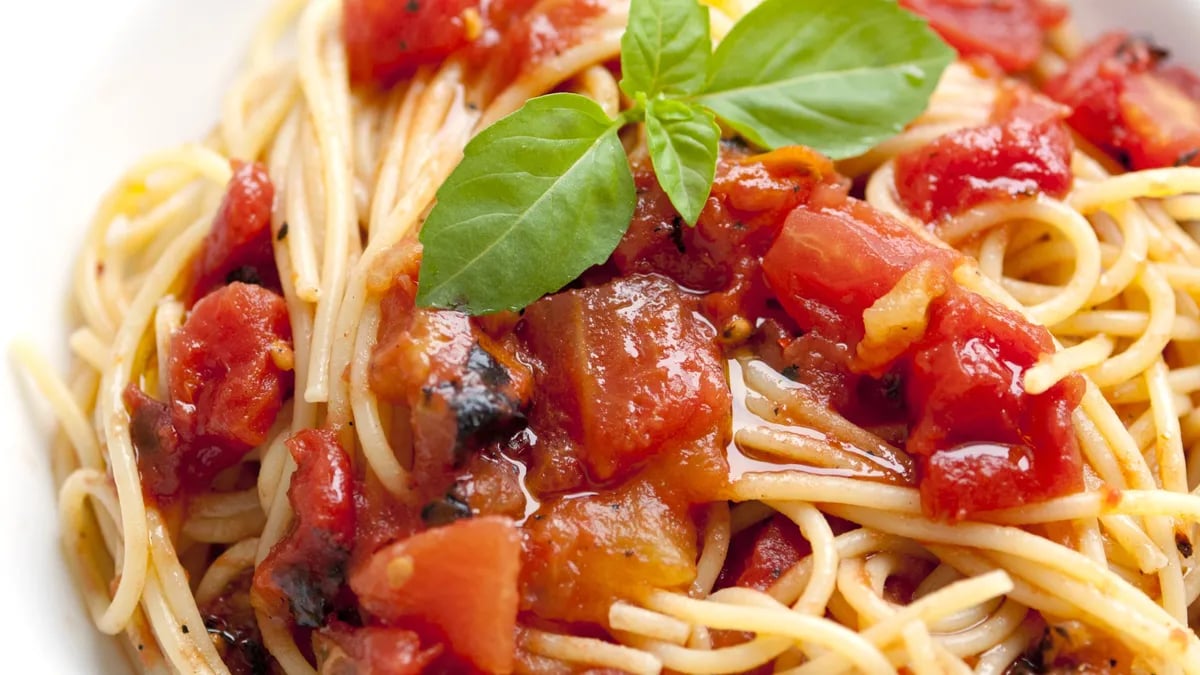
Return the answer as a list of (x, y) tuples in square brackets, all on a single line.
[(981, 440), (829, 265), (987, 443), (628, 370), (238, 248), (760, 555), (371, 650), (306, 569), (225, 379), (157, 443), (1028, 151), (387, 39), (457, 582), (582, 553), (459, 385), (1129, 104), (226, 385), (522, 34), (1010, 31), (720, 256)]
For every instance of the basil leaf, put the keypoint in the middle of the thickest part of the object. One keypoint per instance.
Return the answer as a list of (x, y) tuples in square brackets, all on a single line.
[(836, 76), (683, 143), (666, 48), (540, 196)]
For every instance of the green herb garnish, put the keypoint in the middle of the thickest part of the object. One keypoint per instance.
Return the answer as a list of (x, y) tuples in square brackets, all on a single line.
[(547, 192)]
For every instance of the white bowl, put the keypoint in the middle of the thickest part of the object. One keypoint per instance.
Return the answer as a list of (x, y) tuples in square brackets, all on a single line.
[(90, 87)]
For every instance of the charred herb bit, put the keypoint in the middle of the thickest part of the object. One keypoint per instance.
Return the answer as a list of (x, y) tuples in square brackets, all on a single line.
[(677, 234), (1186, 158), (283, 232), (791, 372), (445, 510), (892, 389), (413, 6), (1183, 545), (244, 274), (480, 362)]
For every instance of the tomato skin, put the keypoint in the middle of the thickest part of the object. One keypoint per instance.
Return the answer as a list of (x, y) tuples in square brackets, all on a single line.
[(225, 387), (371, 650), (157, 444), (387, 39), (1125, 101), (1009, 31), (1028, 151), (583, 552), (433, 582), (627, 371), (306, 568), (238, 247)]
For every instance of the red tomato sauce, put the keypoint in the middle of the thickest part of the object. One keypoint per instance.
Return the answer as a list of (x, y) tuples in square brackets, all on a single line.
[(563, 457), (387, 40), (1025, 151), (1130, 103), (1011, 33), (238, 247), (305, 570), (981, 441)]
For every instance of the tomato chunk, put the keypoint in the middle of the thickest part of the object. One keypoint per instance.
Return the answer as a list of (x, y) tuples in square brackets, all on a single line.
[(760, 555), (371, 650), (1026, 152), (1010, 31), (829, 265), (238, 247), (460, 386), (721, 255), (982, 442), (582, 553), (458, 582), (387, 39), (305, 570), (627, 370), (226, 385), (225, 378), (1126, 101), (987, 443)]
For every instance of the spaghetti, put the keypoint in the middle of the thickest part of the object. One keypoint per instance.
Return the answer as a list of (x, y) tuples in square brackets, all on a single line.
[(861, 577)]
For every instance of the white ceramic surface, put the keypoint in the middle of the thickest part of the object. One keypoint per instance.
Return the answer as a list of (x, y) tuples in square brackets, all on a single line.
[(89, 87)]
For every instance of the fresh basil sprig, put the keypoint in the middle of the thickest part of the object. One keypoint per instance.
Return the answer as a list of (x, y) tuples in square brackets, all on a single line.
[(547, 192)]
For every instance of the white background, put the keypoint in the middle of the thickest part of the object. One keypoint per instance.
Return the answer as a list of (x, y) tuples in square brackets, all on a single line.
[(87, 87)]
